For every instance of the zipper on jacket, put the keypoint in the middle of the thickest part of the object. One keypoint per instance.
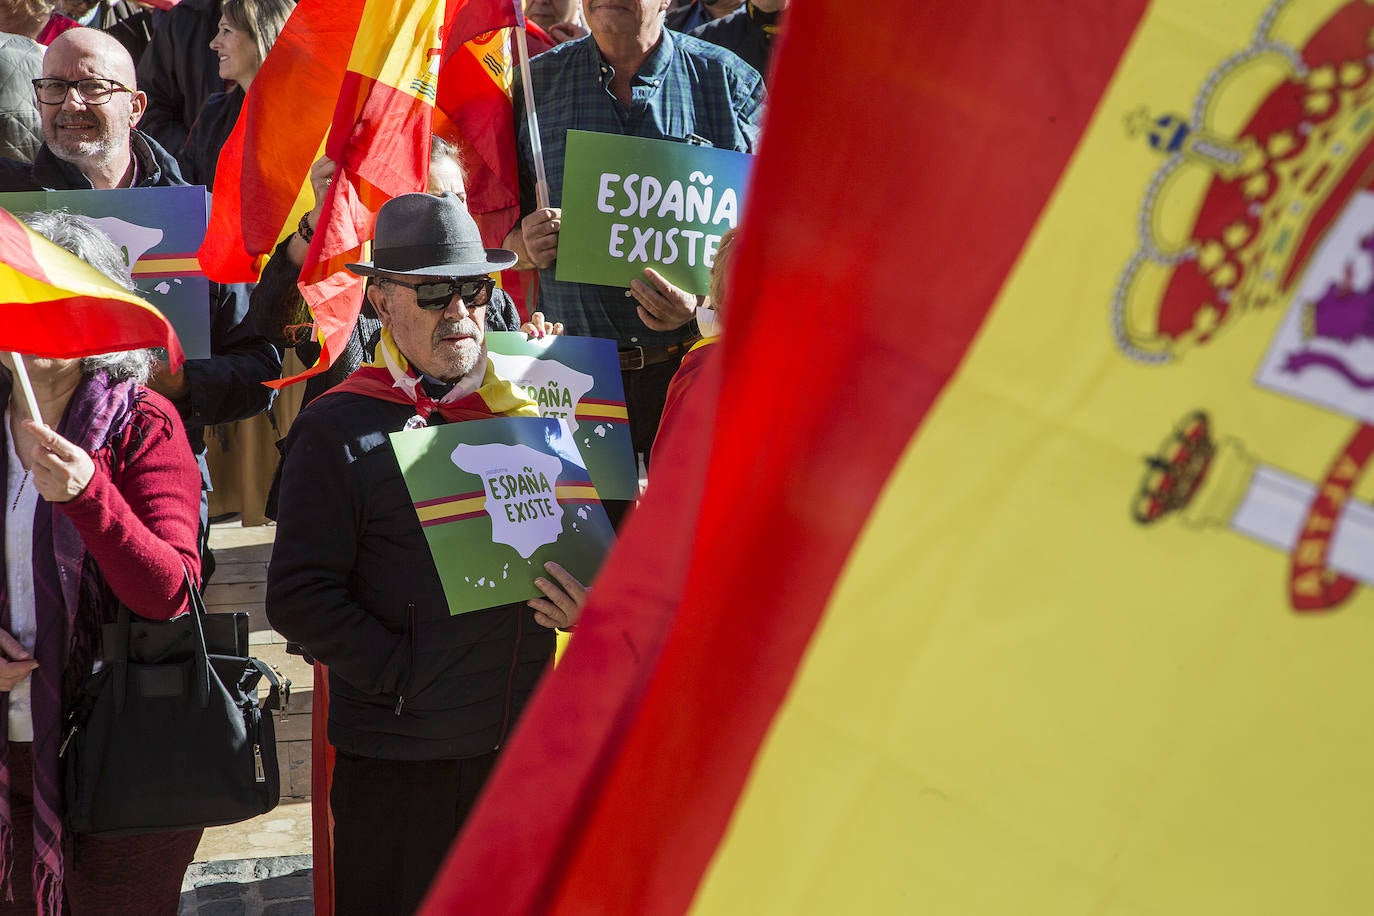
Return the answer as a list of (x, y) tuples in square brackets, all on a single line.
[(71, 733), (410, 634), (259, 774)]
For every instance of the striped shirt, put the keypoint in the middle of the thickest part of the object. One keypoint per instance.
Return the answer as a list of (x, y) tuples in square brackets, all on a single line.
[(686, 87)]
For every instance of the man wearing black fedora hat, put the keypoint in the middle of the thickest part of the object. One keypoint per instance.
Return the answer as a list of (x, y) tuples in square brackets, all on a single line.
[(419, 700)]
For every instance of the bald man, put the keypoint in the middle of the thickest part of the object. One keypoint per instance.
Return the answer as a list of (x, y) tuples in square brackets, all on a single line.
[(89, 105)]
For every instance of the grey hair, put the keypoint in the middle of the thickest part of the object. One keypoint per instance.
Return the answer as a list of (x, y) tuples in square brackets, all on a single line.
[(98, 250), (439, 148)]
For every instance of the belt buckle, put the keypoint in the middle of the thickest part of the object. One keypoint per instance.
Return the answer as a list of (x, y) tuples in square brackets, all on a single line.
[(636, 353)]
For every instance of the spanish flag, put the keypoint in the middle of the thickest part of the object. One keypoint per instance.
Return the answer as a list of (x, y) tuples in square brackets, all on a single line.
[(55, 305), (379, 140), (1028, 571), (475, 110), (356, 81), (261, 184)]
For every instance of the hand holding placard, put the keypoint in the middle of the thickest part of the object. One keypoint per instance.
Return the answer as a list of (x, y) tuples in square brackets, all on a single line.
[(662, 306)]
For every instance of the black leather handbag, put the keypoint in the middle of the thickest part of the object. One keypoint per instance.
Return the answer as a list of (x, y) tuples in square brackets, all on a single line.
[(169, 733)]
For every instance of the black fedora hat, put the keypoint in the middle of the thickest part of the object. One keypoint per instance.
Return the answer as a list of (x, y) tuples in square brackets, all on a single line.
[(430, 235)]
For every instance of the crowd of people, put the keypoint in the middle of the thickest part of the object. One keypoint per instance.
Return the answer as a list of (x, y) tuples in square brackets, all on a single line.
[(110, 481)]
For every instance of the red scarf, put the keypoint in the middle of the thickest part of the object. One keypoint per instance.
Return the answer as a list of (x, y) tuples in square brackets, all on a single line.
[(389, 378)]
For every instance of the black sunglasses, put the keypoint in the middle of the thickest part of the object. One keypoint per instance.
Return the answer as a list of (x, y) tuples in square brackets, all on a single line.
[(434, 295), (92, 91)]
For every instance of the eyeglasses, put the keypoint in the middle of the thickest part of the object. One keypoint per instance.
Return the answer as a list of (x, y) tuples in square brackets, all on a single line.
[(91, 91), (436, 294)]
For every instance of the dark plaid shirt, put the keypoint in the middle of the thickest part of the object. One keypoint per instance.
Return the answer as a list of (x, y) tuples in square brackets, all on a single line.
[(686, 87)]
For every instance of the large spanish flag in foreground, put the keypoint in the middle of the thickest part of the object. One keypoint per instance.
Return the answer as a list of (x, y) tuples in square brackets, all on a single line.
[(1029, 575), (55, 305)]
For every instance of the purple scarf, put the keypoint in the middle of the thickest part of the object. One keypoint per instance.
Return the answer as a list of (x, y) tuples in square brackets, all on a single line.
[(67, 606)]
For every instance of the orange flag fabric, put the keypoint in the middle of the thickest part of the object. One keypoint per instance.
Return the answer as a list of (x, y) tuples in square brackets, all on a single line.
[(379, 141), (474, 111), (56, 305), (946, 643), (261, 185), (358, 79)]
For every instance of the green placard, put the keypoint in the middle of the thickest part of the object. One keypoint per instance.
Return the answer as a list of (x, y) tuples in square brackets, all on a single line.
[(577, 379), (630, 203), (497, 499)]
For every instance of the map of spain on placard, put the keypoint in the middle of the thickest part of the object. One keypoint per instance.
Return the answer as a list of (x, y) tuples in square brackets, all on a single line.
[(576, 379), (499, 498)]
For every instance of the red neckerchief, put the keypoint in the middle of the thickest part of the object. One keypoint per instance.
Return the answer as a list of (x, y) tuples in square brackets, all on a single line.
[(375, 382)]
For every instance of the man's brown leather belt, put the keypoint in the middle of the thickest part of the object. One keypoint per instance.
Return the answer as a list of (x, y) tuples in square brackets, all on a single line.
[(639, 357)]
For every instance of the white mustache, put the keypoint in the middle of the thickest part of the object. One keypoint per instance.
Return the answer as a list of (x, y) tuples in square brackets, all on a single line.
[(465, 327), (75, 122)]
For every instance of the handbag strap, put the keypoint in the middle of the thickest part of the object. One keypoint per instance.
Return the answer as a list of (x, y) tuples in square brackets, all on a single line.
[(120, 657), (279, 690)]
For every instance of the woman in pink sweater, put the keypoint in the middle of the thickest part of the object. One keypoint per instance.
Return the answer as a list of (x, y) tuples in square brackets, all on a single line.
[(101, 507)]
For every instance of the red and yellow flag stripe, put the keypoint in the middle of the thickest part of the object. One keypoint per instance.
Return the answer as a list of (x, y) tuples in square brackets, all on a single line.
[(166, 265), (56, 305), (463, 506), (456, 508), (593, 409)]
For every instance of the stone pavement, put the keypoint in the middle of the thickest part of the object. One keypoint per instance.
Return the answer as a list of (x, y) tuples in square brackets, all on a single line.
[(260, 867), (275, 886)]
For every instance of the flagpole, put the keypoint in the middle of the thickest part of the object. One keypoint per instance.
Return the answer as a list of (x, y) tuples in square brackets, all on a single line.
[(541, 181), (25, 385)]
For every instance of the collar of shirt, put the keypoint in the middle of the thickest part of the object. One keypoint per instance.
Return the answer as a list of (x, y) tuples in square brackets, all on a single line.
[(651, 73), (435, 388)]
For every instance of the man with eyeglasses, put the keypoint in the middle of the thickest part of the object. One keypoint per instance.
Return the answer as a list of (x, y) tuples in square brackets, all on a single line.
[(88, 108), (89, 105), (419, 700)]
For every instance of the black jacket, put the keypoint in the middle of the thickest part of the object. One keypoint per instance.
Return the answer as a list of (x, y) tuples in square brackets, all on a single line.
[(687, 17), (156, 169), (739, 32), (178, 71), (128, 24), (352, 580), (227, 386), (199, 157)]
